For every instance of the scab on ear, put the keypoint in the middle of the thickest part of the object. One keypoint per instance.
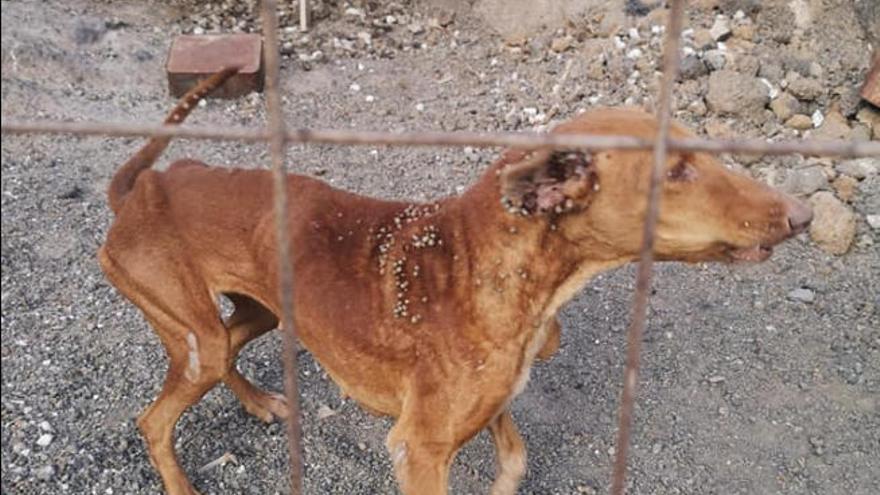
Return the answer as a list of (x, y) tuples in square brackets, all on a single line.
[(543, 181)]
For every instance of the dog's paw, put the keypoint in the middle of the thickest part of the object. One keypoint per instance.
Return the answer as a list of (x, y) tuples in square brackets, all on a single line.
[(268, 406)]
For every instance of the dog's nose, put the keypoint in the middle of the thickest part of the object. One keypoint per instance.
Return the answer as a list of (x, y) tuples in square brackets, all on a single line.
[(799, 215)]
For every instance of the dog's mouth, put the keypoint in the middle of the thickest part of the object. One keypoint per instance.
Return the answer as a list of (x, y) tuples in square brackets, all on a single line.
[(753, 254)]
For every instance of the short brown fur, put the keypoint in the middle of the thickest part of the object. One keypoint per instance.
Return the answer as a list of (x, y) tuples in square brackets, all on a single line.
[(431, 313)]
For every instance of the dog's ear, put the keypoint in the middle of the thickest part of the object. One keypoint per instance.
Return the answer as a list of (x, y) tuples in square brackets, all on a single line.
[(545, 181)]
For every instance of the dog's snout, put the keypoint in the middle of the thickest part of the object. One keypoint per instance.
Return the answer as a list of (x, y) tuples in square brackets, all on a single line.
[(799, 215)]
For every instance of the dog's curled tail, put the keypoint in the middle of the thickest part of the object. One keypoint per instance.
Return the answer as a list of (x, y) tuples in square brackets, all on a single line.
[(124, 179)]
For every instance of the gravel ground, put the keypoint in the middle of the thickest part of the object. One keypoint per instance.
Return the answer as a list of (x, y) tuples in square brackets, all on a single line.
[(756, 379)]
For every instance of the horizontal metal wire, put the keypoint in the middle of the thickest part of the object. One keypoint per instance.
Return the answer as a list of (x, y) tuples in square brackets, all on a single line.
[(461, 138)]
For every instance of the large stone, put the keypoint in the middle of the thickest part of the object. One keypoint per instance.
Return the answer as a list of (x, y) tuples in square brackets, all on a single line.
[(737, 94), (834, 224)]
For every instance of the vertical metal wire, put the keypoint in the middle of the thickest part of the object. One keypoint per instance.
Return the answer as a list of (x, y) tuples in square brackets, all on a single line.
[(645, 271), (277, 143), (304, 15)]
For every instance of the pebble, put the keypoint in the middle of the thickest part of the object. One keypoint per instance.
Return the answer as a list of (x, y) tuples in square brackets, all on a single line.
[(44, 440), (817, 118), (800, 122), (692, 67), (562, 44), (803, 295), (715, 59), (720, 29), (324, 411), (804, 88), (45, 473), (634, 53), (845, 187), (873, 221), (703, 39), (784, 106)]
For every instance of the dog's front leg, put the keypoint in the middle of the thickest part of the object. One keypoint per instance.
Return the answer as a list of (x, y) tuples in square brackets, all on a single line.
[(421, 451)]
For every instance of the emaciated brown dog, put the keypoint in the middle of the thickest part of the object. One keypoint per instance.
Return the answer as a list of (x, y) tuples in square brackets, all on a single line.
[(431, 313)]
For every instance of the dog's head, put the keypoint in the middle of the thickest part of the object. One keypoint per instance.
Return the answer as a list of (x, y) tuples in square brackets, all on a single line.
[(707, 212)]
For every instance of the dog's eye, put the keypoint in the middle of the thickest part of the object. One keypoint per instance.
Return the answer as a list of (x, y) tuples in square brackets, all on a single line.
[(682, 172)]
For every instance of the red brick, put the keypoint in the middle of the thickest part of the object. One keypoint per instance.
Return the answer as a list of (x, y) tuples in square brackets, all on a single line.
[(192, 57)]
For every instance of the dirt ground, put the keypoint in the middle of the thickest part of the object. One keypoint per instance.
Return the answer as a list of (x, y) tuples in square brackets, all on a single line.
[(756, 379)]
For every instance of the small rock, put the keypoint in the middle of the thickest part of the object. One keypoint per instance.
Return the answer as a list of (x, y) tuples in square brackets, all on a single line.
[(834, 224), (748, 65), (692, 67), (800, 122), (734, 93), (785, 106), (416, 28), (720, 30), (845, 187), (362, 446), (634, 53), (803, 295), (45, 426), (744, 32), (44, 440), (817, 118), (74, 192), (771, 71), (562, 44), (717, 129), (873, 221), (818, 445), (804, 88), (859, 168), (697, 107), (715, 59), (89, 31), (703, 39), (325, 412), (716, 379), (45, 473)]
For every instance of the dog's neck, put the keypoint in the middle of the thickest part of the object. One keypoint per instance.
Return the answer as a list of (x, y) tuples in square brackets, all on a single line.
[(527, 259)]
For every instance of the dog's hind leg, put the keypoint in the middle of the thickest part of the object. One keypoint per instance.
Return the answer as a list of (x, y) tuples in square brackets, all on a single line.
[(198, 360), (250, 320), (511, 454), (179, 308)]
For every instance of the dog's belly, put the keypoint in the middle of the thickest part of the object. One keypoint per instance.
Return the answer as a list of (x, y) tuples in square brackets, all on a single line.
[(368, 373)]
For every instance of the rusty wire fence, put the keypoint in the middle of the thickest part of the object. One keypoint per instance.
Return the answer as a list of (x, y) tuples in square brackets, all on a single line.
[(278, 137)]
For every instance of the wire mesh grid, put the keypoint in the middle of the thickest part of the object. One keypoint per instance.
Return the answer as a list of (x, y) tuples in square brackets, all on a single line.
[(278, 137)]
